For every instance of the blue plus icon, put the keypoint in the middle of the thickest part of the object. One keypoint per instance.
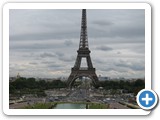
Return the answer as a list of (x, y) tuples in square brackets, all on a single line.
[(147, 99)]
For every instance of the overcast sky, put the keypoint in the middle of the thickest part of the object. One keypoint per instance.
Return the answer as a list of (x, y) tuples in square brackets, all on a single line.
[(43, 43)]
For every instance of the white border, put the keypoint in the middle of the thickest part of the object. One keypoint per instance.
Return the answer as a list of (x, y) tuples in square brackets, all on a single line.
[(8, 6)]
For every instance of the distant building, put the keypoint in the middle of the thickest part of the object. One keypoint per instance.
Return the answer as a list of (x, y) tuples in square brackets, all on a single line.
[(100, 78), (122, 78), (18, 76)]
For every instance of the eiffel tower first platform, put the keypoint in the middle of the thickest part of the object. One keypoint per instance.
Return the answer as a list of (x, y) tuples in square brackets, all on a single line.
[(83, 52)]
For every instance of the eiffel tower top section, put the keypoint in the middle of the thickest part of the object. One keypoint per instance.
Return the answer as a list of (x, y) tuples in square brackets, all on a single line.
[(83, 38)]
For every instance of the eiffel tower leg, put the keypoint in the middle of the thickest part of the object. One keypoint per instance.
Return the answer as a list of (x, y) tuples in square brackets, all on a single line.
[(95, 80), (78, 62), (89, 62), (71, 79)]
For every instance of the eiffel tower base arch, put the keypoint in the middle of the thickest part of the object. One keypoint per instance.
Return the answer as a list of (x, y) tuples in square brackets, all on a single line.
[(81, 73)]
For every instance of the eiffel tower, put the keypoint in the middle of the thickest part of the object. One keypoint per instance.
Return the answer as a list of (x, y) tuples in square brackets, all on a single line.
[(83, 52)]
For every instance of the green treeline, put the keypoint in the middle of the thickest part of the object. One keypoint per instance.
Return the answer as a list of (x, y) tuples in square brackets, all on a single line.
[(130, 87), (31, 86)]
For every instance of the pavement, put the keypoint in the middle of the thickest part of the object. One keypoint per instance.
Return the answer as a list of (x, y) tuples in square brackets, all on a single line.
[(116, 105), (17, 105)]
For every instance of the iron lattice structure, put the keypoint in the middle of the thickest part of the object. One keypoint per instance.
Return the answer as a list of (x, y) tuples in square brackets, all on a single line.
[(83, 52)]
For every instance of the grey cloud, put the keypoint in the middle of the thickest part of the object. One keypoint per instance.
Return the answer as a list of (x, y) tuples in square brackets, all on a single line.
[(129, 32), (138, 48), (109, 69), (59, 54), (16, 68), (45, 36), (137, 66), (31, 46), (67, 58), (68, 43), (95, 60), (53, 66), (102, 23), (118, 31), (104, 48), (59, 29), (47, 62), (44, 55), (33, 63), (118, 52), (43, 24)]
